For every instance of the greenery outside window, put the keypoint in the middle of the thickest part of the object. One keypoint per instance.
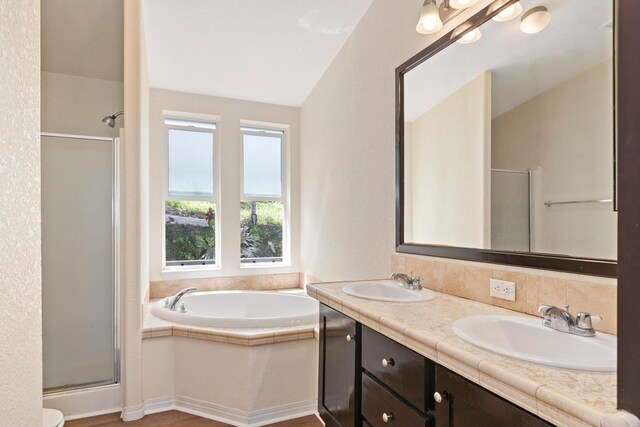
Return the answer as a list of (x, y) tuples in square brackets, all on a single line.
[(190, 194), (263, 206)]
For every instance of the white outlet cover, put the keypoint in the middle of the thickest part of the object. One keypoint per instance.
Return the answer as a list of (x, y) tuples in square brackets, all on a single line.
[(502, 289)]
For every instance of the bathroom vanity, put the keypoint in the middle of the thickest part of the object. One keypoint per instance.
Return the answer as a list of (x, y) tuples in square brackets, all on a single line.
[(403, 363), (368, 379)]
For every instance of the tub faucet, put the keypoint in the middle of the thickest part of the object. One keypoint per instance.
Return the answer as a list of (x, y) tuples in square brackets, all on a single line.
[(561, 320), (409, 282), (174, 301)]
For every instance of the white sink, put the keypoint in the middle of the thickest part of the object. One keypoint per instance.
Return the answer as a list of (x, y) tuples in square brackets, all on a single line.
[(387, 290), (527, 339)]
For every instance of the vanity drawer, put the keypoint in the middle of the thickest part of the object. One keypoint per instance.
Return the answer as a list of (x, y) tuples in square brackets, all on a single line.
[(398, 367), (377, 401)]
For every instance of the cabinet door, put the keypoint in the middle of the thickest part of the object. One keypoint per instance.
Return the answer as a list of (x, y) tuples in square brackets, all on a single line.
[(465, 404), (338, 398)]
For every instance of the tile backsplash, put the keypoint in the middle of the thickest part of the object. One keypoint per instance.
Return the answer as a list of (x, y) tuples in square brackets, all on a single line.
[(533, 287), (259, 282)]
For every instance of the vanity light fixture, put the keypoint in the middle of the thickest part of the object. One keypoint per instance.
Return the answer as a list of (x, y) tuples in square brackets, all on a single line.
[(471, 37), (429, 21), (461, 4), (509, 13), (535, 20), (433, 17)]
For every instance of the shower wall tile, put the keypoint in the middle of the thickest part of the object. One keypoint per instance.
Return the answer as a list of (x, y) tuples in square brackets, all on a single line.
[(260, 282)]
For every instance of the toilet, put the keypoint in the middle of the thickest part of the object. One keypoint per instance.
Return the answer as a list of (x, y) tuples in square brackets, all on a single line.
[(52, 418)]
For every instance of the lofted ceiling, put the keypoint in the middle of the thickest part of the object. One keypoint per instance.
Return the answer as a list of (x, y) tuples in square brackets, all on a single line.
[(522, 65), (271, 51), (83, 38)]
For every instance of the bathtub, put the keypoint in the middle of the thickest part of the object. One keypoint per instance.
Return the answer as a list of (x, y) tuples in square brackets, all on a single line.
[(242, 309)]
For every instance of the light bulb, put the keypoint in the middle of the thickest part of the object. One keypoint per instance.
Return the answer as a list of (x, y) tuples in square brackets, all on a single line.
[(472, 36), (461, 4), (509, 13), (535, 20), (429, 21)]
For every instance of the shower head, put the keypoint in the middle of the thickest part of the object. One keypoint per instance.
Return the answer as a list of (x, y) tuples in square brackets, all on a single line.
[(111, 120)]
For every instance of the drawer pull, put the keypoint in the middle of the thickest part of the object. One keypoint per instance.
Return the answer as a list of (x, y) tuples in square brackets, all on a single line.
[(387, 417), (388, 362), (439, 397), (349, 338)]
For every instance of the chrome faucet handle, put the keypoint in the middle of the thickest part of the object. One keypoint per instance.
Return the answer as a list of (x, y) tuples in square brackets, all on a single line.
[(587, 321), (416, 283), (544, 309)]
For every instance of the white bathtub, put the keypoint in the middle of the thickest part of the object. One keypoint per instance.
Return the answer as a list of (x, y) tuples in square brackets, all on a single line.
[(242, 309)]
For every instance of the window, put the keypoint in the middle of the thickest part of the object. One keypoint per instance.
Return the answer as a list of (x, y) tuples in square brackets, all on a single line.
[(263, 204), (190, 193)]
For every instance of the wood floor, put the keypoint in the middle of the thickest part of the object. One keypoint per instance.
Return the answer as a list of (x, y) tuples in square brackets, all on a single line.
[(176, 419)]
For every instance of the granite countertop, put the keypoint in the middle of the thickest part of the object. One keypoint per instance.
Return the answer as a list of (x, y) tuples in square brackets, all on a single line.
[(562, 396)]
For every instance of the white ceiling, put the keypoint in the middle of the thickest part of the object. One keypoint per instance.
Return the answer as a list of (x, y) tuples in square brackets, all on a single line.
[(270, 51), (522, 65), (83, 38)]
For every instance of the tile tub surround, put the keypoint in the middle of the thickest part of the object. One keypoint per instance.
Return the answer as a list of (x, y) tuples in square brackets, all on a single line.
[(154, 327), (259, 282), (594, 295), (561, 396)]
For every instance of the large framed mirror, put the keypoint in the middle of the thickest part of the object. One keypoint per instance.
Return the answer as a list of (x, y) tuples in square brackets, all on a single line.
[(505, 139)]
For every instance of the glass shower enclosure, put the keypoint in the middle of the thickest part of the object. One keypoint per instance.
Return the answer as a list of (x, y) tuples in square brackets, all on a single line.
[(512, 210), (79, 262)]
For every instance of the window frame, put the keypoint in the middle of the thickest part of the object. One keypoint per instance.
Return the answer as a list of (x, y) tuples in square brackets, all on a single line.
[(191, 265), (282, 132)]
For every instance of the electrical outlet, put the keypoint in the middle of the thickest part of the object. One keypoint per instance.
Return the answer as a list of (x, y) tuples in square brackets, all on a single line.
[(502, 289)]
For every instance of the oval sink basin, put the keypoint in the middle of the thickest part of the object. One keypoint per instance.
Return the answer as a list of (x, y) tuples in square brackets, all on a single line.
[(389, 290), (527, 339)]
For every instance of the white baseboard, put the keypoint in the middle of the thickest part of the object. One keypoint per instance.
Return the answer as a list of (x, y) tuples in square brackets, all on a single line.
[(229, 415), (132, 413)]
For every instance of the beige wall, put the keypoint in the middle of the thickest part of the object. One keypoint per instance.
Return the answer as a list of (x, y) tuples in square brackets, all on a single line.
[(348, 147), (231, 112), (76, 105), (567, 132), (20, 316), (450, 167)]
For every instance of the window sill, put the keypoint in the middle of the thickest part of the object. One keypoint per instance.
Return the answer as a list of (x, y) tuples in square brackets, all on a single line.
[(190, 269), (264, 265)]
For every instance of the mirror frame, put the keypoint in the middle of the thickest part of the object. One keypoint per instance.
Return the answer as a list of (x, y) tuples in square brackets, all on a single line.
[(590, 266)]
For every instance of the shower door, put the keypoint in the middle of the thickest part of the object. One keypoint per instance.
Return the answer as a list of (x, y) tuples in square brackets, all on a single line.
[(511, 218), (79, 292)]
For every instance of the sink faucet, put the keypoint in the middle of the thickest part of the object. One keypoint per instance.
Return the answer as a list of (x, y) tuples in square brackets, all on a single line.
[(408, 282), (561, 320), (176, 297)]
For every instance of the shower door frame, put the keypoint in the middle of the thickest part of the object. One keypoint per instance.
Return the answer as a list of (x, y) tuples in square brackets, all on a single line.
[(532, 202), (115, 227)]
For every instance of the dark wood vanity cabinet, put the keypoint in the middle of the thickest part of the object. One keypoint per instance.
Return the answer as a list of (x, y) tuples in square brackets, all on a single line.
[(396, 383), (463, 403), (367, 379), (338, 390)]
